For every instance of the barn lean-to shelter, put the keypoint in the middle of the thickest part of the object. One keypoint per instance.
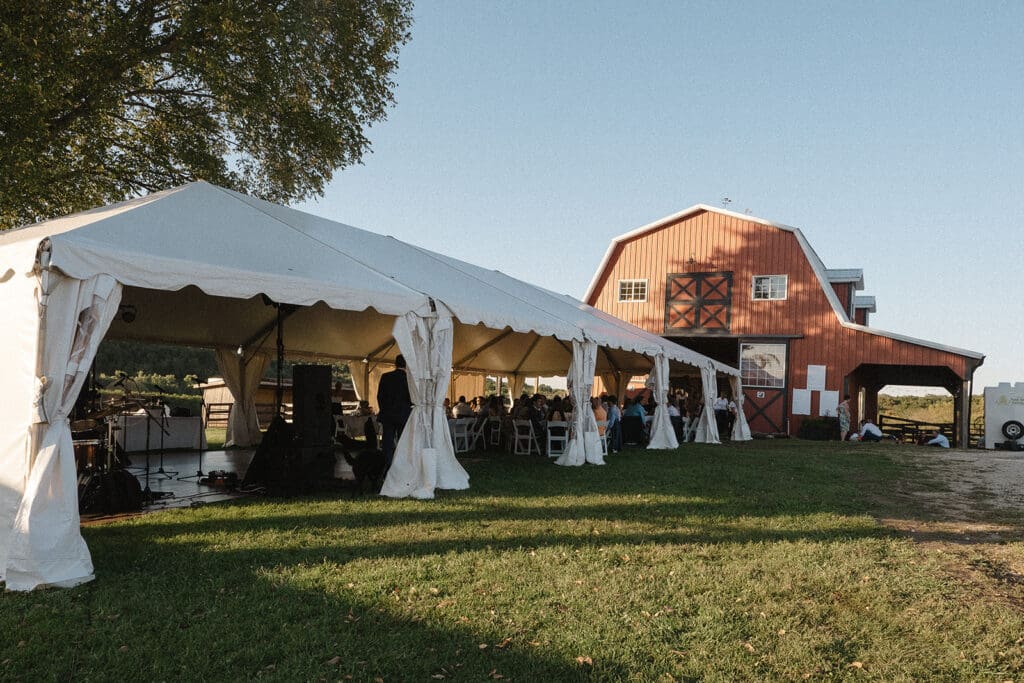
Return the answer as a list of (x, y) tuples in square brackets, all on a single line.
[(754, 294), (204, 266)]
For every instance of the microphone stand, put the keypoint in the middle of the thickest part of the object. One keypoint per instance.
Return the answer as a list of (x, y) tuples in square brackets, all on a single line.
[(163, 432), (148, 495), (199, 473)]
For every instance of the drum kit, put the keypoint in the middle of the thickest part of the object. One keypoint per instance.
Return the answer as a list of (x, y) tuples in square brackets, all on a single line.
[(105, 483)]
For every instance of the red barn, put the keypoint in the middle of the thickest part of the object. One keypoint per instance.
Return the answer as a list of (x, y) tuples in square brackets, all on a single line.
[(754, 294)]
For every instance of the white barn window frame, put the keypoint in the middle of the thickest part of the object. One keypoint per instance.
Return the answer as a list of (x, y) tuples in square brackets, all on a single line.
[(769, 287), (763, 365), (633, 291)]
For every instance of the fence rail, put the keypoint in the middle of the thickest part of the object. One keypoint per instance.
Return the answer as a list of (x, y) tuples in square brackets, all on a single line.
[(906, 430)]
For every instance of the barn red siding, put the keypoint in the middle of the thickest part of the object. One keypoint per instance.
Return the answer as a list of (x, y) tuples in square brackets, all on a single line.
[(708, 241)]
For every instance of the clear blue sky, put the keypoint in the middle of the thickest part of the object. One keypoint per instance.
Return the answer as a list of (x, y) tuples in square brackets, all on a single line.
[(526, 135)]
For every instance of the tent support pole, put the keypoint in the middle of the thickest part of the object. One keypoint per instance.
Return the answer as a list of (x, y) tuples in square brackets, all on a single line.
[(279, 391)]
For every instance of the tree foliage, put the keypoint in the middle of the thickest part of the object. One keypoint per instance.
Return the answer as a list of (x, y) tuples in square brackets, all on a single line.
[(101, 100), (139, 359)]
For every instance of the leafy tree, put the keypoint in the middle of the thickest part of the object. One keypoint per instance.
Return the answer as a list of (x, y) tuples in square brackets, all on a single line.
[(101, 100)]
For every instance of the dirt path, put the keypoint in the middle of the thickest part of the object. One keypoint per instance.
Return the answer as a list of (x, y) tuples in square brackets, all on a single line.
[(969, 488), (974, 502)]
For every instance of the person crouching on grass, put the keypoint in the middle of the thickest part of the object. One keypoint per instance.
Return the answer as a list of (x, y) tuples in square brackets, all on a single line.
[(869, 431), (936, 438)]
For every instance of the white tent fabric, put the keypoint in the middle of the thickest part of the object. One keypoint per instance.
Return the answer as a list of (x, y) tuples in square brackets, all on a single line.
[(740, 428), (425, 457), (46, 546), (18, 370), (194, 261), (663, 435), (366, 380), (242, 377), (707, 428), (584, 441), (516, 382)]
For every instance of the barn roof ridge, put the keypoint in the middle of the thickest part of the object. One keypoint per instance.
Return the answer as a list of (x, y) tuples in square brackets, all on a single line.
[(820, 271)]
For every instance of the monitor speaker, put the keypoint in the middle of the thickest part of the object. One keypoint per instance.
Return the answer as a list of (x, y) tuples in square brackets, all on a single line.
[(311, 405)]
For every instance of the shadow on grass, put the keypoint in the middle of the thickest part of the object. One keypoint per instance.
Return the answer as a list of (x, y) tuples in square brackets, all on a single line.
[(260, 589), (222, 628)]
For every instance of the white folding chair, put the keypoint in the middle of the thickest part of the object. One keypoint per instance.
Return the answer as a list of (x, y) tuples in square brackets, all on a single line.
[(602, 430), (558, 437), (460, 434), (523, 439), (476, 432), (687, 427)]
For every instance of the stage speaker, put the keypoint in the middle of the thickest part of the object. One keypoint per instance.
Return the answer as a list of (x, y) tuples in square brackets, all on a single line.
[(311, 405)]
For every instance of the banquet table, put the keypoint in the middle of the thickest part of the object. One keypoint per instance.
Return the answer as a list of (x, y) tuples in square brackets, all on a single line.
[(182, 432), (353, 425)]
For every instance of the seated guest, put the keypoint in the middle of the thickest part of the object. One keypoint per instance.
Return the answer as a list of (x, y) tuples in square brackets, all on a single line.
[(364, 409), (938, 439), (633, 409), (448, 409), (869, 431), (600, 414), (462, 409), (556, 414), (673, 408), (650, 405), (614, 430), (494, 407), (538, 416), (521, 408)]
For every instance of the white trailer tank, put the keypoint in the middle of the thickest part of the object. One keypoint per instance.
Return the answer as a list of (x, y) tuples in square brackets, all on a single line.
[(1004, 416)]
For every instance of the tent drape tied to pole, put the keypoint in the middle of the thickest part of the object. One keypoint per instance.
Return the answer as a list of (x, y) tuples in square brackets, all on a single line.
[(740, 428), (707, 428), (424, 456), (663, 435), (242, 376), (46, 546), (584, 442)]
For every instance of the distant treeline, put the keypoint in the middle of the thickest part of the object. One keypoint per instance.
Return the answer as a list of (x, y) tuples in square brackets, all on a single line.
[(161, 362), (135, 358), (931, 408)]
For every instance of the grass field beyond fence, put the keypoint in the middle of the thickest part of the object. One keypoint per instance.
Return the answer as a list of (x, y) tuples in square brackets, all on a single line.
[(735, 563)]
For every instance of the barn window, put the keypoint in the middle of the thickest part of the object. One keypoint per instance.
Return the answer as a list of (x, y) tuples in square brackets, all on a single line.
[(770, 287), (763, 365), (633, 290)]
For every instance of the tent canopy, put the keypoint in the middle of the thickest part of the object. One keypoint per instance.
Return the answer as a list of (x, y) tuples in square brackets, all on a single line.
[(194, 261), (201, 265)]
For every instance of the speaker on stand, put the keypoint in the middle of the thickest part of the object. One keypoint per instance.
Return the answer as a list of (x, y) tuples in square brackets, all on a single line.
[(313, 421)]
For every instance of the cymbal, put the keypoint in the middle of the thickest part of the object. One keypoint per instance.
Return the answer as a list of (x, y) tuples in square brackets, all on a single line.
[(124, 401), (114, 407)]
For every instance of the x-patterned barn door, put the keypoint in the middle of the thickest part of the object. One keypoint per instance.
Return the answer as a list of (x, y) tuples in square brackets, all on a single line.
[(765, 409), (698, 302)]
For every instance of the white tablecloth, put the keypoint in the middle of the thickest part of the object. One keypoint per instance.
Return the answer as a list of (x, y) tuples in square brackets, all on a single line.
[(182, 432), (353, 425)]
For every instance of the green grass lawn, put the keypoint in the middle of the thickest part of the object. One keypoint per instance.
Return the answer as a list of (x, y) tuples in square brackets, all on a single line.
[(762, 561)]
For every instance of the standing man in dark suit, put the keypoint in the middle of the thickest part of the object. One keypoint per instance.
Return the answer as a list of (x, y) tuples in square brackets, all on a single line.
[(394, 406)]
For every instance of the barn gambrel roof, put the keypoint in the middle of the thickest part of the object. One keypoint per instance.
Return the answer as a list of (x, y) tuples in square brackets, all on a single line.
[(821, 272)]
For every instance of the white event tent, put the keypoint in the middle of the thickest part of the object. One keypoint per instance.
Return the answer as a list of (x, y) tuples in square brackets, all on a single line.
[(204, 266)]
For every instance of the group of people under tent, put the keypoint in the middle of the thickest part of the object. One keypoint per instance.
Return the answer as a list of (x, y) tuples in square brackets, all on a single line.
[(869, 431), (395, 406), (540, 409)]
